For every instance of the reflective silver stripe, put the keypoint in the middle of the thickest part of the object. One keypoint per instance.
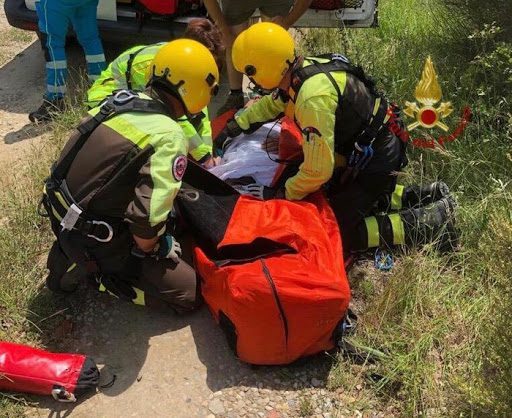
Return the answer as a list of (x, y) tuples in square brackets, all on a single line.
[(57, 65), (116, 72), (207, 140), (194, 141), (50, 88), (95, 58)]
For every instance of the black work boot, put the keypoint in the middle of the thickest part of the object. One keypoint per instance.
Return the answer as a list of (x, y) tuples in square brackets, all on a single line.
[(64, 275), (234, 101), (412, 196), (425, 194), (434, 223), (47, 110)]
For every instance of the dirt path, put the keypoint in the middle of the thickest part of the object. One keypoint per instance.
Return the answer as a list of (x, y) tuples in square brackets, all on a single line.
[(166, 366), (21, 89)]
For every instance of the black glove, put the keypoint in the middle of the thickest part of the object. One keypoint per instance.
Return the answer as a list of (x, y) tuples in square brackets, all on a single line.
[(226, 137)]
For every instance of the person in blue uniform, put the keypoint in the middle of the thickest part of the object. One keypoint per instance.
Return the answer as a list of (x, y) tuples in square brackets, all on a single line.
[(55, 17)]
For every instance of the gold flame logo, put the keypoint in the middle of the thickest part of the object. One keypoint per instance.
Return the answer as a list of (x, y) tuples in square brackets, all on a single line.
[(428, 92)]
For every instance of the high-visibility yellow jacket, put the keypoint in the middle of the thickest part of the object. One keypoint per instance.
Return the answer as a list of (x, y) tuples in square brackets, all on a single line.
[(130, 168), (314, 111), (117, 77), (314, 107)]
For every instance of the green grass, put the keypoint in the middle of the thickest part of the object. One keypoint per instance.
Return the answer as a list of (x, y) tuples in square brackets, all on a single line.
[(443, 321)]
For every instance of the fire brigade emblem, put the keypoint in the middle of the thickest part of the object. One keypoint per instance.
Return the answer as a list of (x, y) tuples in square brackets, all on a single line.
[(179, 166), (428, 113)]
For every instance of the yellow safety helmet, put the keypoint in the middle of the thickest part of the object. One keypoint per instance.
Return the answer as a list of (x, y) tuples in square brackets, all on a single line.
[(264, 52), (186, 69)]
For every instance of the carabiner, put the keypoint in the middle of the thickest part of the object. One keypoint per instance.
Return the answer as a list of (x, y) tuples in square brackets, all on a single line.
[(109, 229), (123, 96), (62, 395)]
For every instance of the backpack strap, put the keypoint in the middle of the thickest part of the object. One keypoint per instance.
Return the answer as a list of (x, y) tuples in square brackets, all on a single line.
[(339, 62), (129, 64), (121, 102)]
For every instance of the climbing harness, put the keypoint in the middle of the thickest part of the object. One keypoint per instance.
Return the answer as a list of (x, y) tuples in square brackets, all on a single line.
[(57, 199)]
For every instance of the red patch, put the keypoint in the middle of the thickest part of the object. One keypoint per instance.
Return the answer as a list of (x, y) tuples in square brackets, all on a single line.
[(179, 166)]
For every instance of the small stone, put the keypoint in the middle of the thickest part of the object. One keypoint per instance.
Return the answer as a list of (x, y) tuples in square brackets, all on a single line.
[(316, 382), (216, 407), (210, 416), (269, 408), (217, 394), (265, 401), (292, 403), (359, 387), (261, 414)]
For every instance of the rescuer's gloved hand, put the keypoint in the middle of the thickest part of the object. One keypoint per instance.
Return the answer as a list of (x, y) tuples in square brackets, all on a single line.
[(260, 192), (168, 247), (226, 137)]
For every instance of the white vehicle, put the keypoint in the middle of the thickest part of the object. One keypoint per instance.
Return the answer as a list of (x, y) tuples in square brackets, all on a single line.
[(154, 20)]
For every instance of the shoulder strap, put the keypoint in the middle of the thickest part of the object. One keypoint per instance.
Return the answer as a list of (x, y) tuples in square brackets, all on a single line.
[(129, 64), (337, 62), (123, 101)]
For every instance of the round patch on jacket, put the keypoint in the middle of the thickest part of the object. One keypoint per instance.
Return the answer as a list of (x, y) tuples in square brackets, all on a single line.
[(179, 166)]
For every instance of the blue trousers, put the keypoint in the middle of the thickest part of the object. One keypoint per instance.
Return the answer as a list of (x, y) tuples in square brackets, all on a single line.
[(54, 19)]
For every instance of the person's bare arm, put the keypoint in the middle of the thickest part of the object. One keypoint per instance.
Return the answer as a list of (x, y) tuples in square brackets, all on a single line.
[(298, 9), (213, 9), (146, 245)]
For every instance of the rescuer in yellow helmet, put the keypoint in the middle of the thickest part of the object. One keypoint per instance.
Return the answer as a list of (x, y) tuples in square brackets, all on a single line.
[(131, 70), (110, 194), (350, 142)]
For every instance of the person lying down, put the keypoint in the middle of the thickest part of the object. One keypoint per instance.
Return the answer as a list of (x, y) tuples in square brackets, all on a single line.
[(245, 157)]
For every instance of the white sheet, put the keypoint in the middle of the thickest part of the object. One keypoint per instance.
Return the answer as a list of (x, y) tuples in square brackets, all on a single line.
[(245, 157)]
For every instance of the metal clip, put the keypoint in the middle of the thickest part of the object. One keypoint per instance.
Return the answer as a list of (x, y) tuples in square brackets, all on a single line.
[(109, 229), (62, 395), (123, 96), (189, 195)]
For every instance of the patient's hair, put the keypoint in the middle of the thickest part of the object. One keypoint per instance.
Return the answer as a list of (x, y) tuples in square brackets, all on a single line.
[(205, 32)]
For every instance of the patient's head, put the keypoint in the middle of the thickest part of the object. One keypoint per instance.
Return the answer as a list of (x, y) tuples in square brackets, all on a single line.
[(204, 31)]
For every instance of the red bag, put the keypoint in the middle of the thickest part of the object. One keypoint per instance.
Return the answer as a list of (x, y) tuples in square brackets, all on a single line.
[(289, 304), (31, 370), (160, 7)]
